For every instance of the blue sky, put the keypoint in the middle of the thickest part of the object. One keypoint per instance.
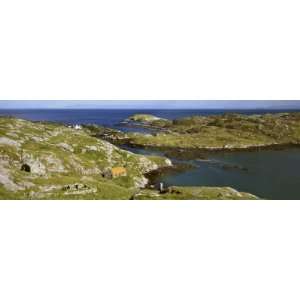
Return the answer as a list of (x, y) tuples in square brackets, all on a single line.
[(149, 104)]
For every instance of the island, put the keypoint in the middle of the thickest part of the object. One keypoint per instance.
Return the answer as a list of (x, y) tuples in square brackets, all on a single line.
[(145, 118)]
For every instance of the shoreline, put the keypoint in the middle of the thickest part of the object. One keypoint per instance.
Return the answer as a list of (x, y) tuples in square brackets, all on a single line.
[(194, 154), (58, 133), (208, 150), (275, 146)]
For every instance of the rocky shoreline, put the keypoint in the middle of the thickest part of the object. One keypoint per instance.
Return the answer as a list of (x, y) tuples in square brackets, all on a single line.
[(176, 152), (201, 153)]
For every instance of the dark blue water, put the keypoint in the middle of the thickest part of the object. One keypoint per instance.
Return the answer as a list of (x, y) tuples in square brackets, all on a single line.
[(270, 174)]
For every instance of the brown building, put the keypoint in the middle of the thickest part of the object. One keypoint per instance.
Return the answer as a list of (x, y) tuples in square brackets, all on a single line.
[(115, 172)]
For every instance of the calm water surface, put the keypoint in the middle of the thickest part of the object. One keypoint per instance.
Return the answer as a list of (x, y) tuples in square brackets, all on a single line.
[(270, 174)]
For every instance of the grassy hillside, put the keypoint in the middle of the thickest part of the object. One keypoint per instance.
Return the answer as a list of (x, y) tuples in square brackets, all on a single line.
[(51, 161)]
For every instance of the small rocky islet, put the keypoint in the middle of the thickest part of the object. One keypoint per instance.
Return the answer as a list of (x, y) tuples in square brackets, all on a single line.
[(45, 160)]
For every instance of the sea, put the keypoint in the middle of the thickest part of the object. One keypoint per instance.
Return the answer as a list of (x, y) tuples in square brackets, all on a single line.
[(269, 174)]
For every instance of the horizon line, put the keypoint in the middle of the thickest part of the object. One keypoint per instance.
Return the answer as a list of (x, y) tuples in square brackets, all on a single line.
[(112, 108)]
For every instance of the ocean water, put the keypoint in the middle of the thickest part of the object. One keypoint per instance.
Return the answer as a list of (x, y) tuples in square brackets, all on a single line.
[(269, 174)]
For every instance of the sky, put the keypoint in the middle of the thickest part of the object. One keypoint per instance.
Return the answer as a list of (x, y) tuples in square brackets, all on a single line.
[(148, 104)]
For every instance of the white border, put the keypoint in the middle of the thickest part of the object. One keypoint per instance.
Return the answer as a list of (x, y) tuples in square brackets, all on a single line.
[(139, 50), (149, 250)]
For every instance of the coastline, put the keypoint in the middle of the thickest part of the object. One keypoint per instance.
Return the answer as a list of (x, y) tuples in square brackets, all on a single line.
[(175, 151), (57, 137)]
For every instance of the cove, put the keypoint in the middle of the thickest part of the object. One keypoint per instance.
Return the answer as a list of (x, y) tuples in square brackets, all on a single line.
[(267, 173)]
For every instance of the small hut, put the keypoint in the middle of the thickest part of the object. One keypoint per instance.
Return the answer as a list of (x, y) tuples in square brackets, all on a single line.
[(118, 171), (115, 172)]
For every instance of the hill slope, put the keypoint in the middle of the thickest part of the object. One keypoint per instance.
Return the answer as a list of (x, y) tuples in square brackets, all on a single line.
[(47, 160)]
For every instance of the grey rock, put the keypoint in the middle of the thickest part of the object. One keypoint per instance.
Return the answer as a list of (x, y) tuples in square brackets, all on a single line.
[(92, 148), (66, 147), (10, 142)]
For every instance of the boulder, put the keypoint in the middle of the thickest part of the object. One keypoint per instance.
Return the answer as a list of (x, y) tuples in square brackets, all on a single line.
[(92, 148), (10, 142), (146, 165), (66, 147)]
